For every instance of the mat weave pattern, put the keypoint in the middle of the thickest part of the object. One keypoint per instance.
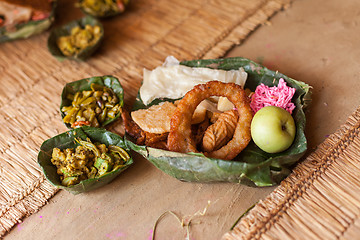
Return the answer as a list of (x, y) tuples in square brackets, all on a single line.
[(32, 80), (319, 200)]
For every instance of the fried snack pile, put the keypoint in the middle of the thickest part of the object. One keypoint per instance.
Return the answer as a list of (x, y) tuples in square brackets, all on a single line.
[(79, 39), (217, 134), (87, 161), (91, 108)]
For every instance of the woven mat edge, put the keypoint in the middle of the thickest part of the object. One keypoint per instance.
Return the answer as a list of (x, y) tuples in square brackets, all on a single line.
[(27, 203), (266, 213), (241, 31)]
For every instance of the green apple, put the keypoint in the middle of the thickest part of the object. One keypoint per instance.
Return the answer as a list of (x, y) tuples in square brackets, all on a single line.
[(273, 129)]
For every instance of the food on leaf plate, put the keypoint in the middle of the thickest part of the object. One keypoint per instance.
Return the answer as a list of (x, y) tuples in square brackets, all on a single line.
[(21, 19), (83, 159), (76, 40), (79, 39), (88, 160), (102, 8), (95, 102), (193, 120)]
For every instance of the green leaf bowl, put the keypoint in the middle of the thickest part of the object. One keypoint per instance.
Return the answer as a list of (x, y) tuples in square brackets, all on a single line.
[(84, 85), (65, 30), (252, 166), (67, 140), (100, 14), (25, 30)]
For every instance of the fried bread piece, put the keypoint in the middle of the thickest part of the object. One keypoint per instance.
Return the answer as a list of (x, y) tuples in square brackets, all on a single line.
[(142, 137), (155, 119)]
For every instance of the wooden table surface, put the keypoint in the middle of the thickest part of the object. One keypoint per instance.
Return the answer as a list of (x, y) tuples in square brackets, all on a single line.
[(312, 41)]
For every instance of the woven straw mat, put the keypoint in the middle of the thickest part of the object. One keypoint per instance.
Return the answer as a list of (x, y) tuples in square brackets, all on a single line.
[(319, 200), (150, 30)]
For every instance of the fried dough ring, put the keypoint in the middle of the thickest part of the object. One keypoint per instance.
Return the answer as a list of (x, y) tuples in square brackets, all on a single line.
[(180, 139)]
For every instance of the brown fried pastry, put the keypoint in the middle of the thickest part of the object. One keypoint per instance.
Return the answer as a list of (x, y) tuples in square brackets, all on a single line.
[(219, 133), (142, 137)]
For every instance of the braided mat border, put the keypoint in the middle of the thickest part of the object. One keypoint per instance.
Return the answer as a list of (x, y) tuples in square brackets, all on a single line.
[(319, 200)]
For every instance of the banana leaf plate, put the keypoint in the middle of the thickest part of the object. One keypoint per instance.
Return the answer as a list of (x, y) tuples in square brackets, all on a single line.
[(67, 140), (85, 85), (65, 30), (25, 30), (252, 166)]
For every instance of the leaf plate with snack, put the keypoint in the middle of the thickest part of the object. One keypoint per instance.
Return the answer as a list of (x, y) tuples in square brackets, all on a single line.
[(193, 121)]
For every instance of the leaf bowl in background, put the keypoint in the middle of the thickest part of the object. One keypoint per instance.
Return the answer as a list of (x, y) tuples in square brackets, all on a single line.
[(65, 30), (27, 29), (95, 9)]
